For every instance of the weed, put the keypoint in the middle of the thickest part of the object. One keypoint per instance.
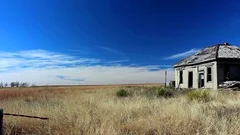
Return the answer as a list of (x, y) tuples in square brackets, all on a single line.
[(199, 95), (122, 93), (163, 92)]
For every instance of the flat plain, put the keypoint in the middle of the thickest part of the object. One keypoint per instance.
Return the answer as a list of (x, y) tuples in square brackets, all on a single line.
[(97, 110)]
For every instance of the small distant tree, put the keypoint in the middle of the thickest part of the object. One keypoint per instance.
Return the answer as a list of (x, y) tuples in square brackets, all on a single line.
[(12, 84), (17, 84), (6, 84), (24, 84), (1, 84)]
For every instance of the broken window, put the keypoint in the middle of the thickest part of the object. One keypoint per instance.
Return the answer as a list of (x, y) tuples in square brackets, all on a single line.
[(181, 77), (209, 74)]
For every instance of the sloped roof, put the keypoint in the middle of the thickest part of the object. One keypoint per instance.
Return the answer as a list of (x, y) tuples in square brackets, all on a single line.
[(211, 53), (229, 51)]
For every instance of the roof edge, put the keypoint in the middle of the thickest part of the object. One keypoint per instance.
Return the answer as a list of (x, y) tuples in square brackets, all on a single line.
[(196, 63), (217, 50), (189, 56)]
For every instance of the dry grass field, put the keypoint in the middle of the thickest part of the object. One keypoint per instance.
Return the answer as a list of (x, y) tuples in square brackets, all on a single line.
[(96, 110)]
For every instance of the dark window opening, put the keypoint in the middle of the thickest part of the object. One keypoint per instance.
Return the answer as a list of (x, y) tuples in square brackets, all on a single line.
[(209, 74), (190, 79), (226, 73), (181, 77)]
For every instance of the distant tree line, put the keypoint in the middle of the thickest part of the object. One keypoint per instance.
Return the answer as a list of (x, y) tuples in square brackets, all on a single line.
[(15, 84)]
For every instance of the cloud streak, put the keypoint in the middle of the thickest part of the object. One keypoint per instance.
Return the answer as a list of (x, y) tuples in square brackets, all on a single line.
[(111, 50), (68, 78), (40, 59), (183, 54), (117, 61)]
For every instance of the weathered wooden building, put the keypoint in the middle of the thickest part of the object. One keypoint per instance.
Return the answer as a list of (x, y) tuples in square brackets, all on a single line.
[(209, 67)]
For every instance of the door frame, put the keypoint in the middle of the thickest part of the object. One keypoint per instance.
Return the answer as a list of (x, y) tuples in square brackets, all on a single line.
[(200, 85), (190, 86)]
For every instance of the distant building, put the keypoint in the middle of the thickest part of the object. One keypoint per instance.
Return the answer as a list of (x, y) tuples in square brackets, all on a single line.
[(209, 67)]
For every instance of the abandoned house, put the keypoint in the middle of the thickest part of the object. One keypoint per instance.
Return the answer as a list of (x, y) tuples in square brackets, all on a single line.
[(209, 67)]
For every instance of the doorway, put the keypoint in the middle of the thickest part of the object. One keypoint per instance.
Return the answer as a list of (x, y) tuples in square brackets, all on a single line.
[(190, 79), (201, 80)]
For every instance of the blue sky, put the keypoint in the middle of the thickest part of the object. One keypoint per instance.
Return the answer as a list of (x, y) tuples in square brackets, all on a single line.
[(122, 40)]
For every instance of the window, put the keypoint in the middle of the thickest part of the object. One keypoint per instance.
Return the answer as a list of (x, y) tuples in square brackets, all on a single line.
[(209, 74), (226, 73), (181, 77)]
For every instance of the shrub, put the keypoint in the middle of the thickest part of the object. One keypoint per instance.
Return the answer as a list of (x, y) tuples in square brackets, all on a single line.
[(122, 93), (160, 91), (199, 95), (163, 92)]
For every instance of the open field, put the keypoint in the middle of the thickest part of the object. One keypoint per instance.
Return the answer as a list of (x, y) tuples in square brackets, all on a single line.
[(91, 110)]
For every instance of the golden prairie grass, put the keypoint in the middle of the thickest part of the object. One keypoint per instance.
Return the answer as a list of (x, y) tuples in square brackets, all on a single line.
[(90, 110)]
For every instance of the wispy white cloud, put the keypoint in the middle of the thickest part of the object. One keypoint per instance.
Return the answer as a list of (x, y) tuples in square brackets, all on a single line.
[(183, 54), (39, 59), (117, 61), (111, 50), (69, 78), (77, 51), (43, 67)]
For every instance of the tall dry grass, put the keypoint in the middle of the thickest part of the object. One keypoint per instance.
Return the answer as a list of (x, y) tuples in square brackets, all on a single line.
[(98, 111)]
